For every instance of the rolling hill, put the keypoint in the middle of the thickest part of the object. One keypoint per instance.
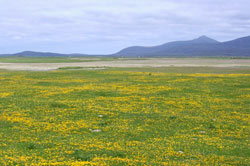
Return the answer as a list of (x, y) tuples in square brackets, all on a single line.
[(42, 54), (202, 46)]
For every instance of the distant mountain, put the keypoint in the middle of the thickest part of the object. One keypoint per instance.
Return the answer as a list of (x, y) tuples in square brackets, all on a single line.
[(202, 46), (32, 53), (41, 54), (203, 40)]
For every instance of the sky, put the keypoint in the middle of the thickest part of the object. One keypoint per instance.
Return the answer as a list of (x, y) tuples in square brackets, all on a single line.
[(107, 26)]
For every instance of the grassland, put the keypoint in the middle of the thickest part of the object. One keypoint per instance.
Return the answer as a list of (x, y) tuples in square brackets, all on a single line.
[(20, 59), (124, 116), (161, 64), (184, 70), (16, 59)]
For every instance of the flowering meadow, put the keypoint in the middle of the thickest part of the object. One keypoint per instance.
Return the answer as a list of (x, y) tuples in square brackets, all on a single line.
[(112, 117)]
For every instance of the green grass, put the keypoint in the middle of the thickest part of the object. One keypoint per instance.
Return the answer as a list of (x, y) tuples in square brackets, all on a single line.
[(21, 59), (39, 60), (48, 59), (189, 70), (80, 68), (17, 59), (132, 116)]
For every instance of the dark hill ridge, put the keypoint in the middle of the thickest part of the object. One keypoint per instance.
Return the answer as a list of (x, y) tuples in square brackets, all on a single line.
[(204, 39), (33, 53), (202, 46), (43, 54)]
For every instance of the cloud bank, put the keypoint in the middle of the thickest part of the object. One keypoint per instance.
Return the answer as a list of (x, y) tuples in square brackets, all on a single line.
[(102, 27)]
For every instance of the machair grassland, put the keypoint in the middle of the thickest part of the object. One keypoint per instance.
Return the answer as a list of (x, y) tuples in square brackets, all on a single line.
[(114, 117)]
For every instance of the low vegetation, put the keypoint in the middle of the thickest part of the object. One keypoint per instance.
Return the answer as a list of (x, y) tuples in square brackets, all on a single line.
[(124, 117), (22, 59), (16, 59)]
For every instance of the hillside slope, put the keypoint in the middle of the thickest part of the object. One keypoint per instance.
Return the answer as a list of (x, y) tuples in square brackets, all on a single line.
[(202, 46)]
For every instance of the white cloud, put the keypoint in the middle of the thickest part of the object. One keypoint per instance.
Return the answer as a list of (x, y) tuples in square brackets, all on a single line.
[(84, 25)]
